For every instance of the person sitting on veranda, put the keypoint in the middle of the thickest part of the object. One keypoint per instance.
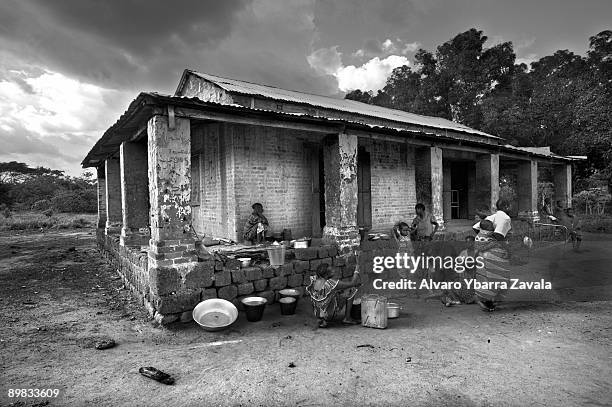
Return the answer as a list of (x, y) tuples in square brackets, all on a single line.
[(329, 295), (546, 212), (256, 225)]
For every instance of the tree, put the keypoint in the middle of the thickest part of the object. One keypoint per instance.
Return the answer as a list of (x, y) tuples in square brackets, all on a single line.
[(25, 187), (359, 96), (562, 100)]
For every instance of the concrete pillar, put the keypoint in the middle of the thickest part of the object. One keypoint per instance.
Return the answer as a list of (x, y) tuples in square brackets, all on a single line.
[(446, 189), (429, 179), (134, 194), (173, 260), (169, 173), (101, 197), (340, 171), (527, 190), (563, 184), (114, 218), (487, 180)]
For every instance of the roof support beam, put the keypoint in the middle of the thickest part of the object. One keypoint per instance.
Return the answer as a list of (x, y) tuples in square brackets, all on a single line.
[(254, 120)]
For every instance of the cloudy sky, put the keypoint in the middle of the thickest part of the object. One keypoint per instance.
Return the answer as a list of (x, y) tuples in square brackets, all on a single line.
[(69, 68)]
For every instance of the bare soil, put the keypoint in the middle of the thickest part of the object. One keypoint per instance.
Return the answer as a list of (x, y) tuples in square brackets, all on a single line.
[(58, 298)]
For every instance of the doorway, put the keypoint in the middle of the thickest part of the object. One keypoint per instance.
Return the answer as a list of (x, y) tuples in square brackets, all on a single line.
[(364, 189), (459, 190)]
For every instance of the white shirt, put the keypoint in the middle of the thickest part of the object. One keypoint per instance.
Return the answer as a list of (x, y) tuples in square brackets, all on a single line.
[(501, 221)]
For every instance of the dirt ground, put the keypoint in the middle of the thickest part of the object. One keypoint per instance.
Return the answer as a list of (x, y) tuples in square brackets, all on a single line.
[(57, 297)]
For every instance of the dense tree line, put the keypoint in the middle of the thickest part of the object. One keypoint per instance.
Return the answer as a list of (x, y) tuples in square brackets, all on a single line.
[(562, 100), (26, 188)]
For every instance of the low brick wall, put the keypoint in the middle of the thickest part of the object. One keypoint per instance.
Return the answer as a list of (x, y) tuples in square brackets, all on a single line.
[(169, 299), (131, 265)]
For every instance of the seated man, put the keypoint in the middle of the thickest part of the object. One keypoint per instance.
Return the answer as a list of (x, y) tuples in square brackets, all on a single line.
[(329, 295), (546, 212), (574, 227), (256, 226)]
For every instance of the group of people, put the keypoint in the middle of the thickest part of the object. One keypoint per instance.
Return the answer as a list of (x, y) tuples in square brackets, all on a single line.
[(330, 295)]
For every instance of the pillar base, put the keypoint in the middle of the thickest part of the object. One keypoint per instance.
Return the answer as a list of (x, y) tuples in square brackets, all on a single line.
[(346, 238), (531, 216), (134, 237), (113, 228)]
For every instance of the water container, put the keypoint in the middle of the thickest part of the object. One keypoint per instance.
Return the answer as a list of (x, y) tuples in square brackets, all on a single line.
[(254, 307), (276, 255), (288, 305), (374, 311)]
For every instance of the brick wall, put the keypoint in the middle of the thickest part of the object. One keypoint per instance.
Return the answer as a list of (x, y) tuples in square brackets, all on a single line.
[(134, 184), (241, 165), (393, 182), (101, 189), (114, 217), (211, 213)]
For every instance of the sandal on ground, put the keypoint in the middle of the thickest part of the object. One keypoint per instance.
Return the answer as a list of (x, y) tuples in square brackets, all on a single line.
[(323, 323), (157, 375)]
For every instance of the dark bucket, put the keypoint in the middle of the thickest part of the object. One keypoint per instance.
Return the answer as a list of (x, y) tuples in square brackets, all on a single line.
[(288, 305), (254, 307), (289, 293)]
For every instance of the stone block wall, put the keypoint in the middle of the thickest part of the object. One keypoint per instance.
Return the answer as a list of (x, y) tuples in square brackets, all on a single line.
[(172, 294), (131, 264)]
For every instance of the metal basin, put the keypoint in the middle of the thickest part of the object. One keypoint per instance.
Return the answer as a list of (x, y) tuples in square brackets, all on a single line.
[(215, 314), (289, 292), (393, 310)]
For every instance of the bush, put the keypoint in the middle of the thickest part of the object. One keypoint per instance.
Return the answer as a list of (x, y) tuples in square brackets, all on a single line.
[(37, 220), (596, 223), (78, 201), (41, 205)]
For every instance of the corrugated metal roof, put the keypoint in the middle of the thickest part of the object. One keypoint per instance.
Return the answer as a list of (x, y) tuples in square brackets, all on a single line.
[(138, 111), (343, 105)]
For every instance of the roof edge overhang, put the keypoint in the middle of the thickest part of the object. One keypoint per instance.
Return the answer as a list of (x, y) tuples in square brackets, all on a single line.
[(145, 105)]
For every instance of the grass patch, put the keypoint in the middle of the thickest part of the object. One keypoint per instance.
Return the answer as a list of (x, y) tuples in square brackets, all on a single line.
[(31, 220), (596, 223)]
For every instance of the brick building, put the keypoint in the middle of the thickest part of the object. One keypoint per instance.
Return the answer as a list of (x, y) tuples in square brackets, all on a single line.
[(320, 166)]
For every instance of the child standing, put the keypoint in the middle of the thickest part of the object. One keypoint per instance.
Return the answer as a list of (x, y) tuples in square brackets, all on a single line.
[(401, 233)]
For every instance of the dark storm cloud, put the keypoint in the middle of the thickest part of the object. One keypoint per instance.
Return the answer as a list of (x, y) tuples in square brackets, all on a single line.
[(24, 142), (125, 43)]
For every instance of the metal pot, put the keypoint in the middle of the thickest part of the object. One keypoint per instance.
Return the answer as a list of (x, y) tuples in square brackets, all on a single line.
[(393, 310), (215, 314)]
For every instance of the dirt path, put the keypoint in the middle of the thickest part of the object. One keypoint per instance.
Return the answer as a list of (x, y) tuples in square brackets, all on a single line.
[(57, 297)]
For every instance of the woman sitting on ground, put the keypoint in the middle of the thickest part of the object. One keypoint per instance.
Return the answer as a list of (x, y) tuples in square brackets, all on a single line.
[(329, 295), (256, 226)]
